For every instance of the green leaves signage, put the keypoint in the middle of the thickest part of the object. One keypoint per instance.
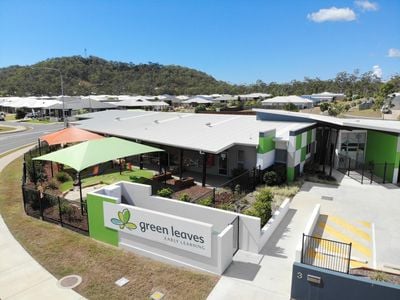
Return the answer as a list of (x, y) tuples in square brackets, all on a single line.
[(174, 231), (123, 220)]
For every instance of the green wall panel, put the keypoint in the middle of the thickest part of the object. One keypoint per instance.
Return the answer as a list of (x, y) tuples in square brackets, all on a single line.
[(298, 142), (381, 148), (265, 144), (290, 174), (303, 154), (97, 230), (309, 136)]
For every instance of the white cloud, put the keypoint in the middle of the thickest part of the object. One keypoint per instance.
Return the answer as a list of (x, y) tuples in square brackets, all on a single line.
[(377, 71), (365, 5), (393, 52), (332, 14)]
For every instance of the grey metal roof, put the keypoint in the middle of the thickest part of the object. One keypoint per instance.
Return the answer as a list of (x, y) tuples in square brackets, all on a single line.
[(211, 133), (373, 124), (76, 103)]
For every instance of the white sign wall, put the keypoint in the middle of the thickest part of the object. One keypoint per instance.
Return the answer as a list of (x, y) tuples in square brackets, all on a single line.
[(182, 233)]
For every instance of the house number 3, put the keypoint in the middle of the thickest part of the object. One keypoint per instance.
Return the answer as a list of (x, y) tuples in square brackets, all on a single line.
[(299, 275)]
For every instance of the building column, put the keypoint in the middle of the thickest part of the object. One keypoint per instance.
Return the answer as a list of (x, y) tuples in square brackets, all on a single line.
[(180, 163), (204, 177)]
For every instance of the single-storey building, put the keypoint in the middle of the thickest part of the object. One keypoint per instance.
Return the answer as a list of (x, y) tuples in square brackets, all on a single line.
[(217, 144), (281, 101)]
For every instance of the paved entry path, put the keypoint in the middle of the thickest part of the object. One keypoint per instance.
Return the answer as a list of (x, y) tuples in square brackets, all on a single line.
[(366, 215), (268, 275), (21, 277)]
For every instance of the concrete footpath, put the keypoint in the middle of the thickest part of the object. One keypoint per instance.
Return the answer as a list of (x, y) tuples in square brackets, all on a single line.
[(267, 275), (21, 277)]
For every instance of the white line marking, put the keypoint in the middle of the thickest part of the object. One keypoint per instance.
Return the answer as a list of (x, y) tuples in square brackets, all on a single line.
[(373, 246)]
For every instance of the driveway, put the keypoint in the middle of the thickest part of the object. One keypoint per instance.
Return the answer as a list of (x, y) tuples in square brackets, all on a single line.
[(367, 215)]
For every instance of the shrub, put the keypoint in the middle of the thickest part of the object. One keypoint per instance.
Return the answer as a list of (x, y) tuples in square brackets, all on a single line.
[(270, 178), (264, 195), (379, 276), (324, 106), (137, 179), (53, 184), (185, 198), (66, 209), (199, 108), (262, 206), (280, 171), (166, 193), (206, 201), (290, 107), (227, 206), (20, 114), (63, 177)]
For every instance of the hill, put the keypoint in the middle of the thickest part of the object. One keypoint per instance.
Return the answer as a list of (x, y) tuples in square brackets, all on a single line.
[(95, 75)]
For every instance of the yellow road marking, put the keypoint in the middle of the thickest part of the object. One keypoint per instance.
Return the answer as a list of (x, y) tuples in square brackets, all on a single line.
[(350, 227), (366, 224), (338, 235)]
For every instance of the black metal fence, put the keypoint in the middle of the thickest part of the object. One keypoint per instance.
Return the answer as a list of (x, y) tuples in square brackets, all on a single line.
[(327, 254), (366, 172), (55, 209)]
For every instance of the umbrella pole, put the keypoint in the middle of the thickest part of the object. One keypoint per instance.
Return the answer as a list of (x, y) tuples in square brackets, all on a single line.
[(80, 190)]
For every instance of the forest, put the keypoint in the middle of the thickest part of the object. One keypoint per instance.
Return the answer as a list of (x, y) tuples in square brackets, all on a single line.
[(94, 75)]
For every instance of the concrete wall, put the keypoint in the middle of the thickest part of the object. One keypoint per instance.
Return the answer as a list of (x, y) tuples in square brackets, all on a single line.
[(308, 230), (273, 223), (222, 245), (335, 285)]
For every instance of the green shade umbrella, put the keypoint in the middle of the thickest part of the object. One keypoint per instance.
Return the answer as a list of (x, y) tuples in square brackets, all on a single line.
[(91, 153)]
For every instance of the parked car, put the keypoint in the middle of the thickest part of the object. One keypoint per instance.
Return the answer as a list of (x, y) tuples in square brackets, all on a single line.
[(2, 116)]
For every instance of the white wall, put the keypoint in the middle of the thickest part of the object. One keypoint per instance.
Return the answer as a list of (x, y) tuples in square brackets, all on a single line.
[(308, 230), (273, 223), (222, 232), (265, 160)]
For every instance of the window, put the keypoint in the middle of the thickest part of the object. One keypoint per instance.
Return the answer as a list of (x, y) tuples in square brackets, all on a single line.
[(280, 155), (241, 156), (308, 151)]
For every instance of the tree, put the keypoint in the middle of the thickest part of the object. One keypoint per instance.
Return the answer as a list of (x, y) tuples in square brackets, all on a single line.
[(290, 107), (324, 106)]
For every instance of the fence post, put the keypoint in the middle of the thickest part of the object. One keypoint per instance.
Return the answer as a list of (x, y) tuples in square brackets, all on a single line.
[(38, 193), (23, 197), (362, 174), (348, 167), (348, 259), (33, 171), (372, 175), (213, 196), (302, 249), (254, 179), (384, 173), (59, 211)]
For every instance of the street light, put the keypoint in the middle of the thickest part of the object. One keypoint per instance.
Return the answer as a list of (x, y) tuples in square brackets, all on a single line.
[(62, 90)]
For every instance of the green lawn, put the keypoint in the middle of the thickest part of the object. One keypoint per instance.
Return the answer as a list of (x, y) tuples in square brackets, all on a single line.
[(108, 178), (35, 121), (10, 117), (365, 113), (5, 128)]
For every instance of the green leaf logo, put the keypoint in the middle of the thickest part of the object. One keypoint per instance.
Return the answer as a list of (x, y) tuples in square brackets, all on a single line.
[(123, 220)]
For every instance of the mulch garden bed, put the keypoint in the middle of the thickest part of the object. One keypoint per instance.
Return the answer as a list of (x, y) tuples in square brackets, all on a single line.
[(377, 275)]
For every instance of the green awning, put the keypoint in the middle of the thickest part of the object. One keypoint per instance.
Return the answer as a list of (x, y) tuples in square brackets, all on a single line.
[(91, 153)]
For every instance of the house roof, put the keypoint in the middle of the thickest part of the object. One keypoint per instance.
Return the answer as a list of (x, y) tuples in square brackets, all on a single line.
[(286, 99), (210, 133), (373, 124)]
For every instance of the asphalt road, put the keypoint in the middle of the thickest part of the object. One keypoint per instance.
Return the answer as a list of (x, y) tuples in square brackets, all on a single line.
[(11, 141)]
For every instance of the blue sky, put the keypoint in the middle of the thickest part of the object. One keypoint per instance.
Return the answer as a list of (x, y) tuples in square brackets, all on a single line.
[(235, 41)]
